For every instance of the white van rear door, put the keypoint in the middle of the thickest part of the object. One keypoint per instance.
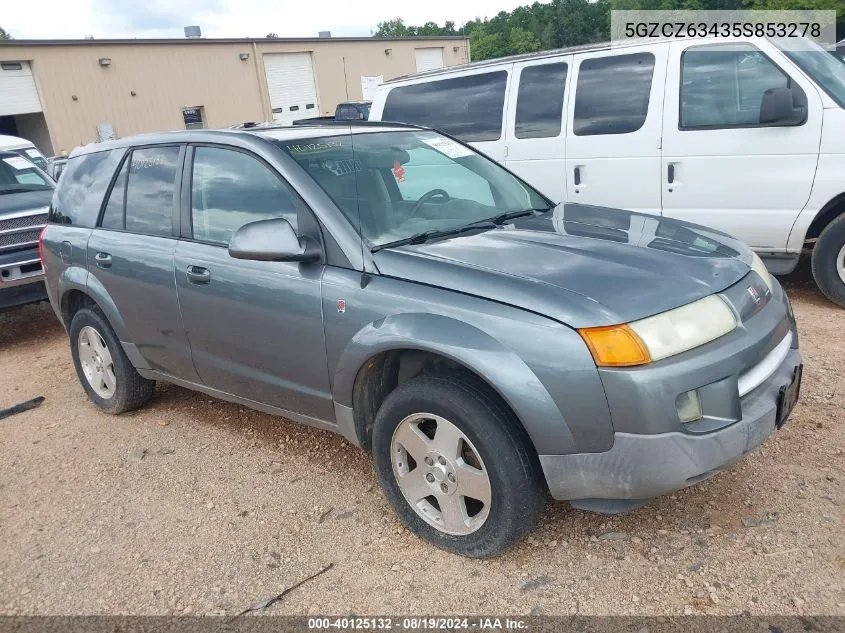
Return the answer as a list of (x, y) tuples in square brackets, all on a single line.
[(535, 129), (614, 119), (727, 170)]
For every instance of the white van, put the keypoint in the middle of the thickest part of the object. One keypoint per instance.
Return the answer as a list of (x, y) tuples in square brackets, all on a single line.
[(24, 148), (742, 135)]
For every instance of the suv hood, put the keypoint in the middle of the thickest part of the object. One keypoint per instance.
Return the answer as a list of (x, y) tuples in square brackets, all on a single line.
[(579, 264), (15, 203)]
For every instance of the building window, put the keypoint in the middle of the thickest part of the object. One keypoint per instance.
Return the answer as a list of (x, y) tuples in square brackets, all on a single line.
[(194, 117), (11, 66)]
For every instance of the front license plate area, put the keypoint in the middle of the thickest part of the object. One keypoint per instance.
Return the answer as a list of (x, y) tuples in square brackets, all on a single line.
[(788, 396)]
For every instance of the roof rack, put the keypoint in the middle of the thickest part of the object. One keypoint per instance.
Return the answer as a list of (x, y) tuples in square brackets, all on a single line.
[(351, 123)]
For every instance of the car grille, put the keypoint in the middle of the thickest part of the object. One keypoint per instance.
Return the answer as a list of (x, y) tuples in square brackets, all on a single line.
[(21, 231)]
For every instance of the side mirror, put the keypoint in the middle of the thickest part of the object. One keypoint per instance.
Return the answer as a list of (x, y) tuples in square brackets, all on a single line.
[(271, 241), (777, 108)]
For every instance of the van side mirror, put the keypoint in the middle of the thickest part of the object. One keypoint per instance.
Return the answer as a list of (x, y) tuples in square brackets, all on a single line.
[(271, 241), (778, 108)]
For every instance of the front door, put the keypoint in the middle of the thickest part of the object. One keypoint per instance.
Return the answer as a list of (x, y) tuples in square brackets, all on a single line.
[(130, 254), (613, 132), (255, 328), (721, 167)]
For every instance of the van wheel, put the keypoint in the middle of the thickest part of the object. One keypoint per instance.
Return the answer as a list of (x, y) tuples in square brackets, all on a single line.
[(105, 372), (829, 261), (457, 466)]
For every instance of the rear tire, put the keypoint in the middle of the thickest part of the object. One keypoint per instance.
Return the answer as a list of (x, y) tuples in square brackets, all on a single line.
[(104, 370), (829, 261), (493, 477)]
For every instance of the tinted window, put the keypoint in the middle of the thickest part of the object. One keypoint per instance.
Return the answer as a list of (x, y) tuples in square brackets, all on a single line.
[(230, 189), (612, 94), (114, 216), (723, 87), (468, 107), (539, 103), (82, 187), (150, 190), (347, 112)]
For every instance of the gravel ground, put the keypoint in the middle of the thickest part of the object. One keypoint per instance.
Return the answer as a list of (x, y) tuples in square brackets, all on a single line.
[(194, 505)]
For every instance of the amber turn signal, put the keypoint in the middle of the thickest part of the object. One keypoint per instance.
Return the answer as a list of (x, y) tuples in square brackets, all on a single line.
[(615, 346)]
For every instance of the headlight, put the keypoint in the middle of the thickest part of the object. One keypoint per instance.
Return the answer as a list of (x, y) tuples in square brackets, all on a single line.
[(759, 267), (662, 335)]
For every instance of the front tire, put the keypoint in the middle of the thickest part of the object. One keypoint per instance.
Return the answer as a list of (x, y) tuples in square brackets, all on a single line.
[(457, 466), (104, 370), (829, 261)]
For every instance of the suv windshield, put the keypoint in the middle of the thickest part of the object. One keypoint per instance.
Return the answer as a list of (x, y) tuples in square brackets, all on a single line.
[(822, 67), (393, 186), (17, 174)]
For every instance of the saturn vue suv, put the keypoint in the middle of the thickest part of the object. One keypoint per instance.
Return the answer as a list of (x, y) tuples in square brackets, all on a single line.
[(393, 285)]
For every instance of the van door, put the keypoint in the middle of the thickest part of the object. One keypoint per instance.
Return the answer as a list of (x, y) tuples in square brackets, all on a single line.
[(468, 105), (536, 125), (721, 166), (613, 133)]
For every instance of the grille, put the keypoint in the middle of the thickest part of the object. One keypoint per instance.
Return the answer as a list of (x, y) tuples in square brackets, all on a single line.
[(18, 239), (11, 240), (27, 220)]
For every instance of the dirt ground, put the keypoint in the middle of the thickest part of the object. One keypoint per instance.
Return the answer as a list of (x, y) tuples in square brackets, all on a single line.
[(193, 505)]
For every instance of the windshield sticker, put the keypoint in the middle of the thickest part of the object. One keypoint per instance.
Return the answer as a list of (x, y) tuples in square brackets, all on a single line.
[(313, 148), (34, 153), (398, 171), (18, 163), (448, 147)]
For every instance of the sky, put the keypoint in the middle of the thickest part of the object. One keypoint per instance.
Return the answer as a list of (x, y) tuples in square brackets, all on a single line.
[(75, 19)]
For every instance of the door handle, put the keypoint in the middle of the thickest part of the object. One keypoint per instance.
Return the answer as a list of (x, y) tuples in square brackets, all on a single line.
[(577, 176), (198, 274), (103, 260), (671, 173)]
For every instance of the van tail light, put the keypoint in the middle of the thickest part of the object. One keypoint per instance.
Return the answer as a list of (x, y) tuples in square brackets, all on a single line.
[(41, 247)]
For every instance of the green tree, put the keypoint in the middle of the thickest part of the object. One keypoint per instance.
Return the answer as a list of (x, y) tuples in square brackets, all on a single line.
[(522, 41), (392, 28), (4, 34)]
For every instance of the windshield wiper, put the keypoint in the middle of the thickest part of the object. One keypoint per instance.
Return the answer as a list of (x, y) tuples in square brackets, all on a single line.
[(500, 219), (23, 190), (424, 236)]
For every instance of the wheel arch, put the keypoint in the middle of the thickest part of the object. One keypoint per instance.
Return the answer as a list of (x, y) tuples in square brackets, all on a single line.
[(828, 213), (387, 353)]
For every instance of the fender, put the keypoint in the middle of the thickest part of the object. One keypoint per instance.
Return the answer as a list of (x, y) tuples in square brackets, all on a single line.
[(71, 278), (473, 348)]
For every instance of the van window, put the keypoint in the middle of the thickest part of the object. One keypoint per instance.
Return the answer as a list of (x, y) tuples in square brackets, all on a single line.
[(723, 86), (539, 103), (80, 192), (230, 189), (469, 107), (151, 189), (612, 94)]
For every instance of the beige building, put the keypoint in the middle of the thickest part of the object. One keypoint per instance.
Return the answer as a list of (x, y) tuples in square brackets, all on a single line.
[(64, 93)]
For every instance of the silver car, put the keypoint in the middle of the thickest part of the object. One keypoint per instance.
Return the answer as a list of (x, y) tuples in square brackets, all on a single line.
[(393, 285)]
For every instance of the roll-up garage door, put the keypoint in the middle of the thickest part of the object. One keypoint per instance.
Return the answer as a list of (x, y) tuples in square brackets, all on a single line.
[(18, 94), (290, 82)]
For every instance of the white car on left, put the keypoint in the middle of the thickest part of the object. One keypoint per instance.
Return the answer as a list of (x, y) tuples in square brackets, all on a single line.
[(24, 148)]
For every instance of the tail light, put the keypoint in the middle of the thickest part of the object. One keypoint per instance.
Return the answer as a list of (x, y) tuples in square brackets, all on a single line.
[(41, 247)]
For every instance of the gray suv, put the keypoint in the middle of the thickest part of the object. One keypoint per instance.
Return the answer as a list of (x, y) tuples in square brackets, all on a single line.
[(395, 286)]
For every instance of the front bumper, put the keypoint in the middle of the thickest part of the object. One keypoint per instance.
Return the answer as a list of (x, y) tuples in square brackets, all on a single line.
[(639, 467)]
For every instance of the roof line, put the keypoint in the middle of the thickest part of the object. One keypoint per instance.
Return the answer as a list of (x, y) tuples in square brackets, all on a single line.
[(226, 40)]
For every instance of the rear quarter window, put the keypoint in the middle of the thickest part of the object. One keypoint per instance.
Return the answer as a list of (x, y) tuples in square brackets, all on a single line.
[(469, 107), (80, 191)]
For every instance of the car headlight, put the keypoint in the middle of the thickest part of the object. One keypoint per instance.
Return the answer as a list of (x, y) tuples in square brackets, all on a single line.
[(759, 267), (662, 335)]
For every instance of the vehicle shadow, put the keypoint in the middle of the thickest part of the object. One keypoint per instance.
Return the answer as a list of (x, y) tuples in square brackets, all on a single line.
[(800, 284), (27, 324)]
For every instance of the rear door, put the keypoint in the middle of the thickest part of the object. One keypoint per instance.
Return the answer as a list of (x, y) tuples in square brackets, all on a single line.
[(255, 328), (721, 167), (469, 106), (614, 126), (130, 254), (536, 126)]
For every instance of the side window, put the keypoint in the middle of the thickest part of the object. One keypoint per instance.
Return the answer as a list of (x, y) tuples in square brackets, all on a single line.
[(723, 86), (469, 107), (114, 217), (80, 192), (429, 169), (347, 113), (539, 102), (612, 94), (150, 190), (230, 189)]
